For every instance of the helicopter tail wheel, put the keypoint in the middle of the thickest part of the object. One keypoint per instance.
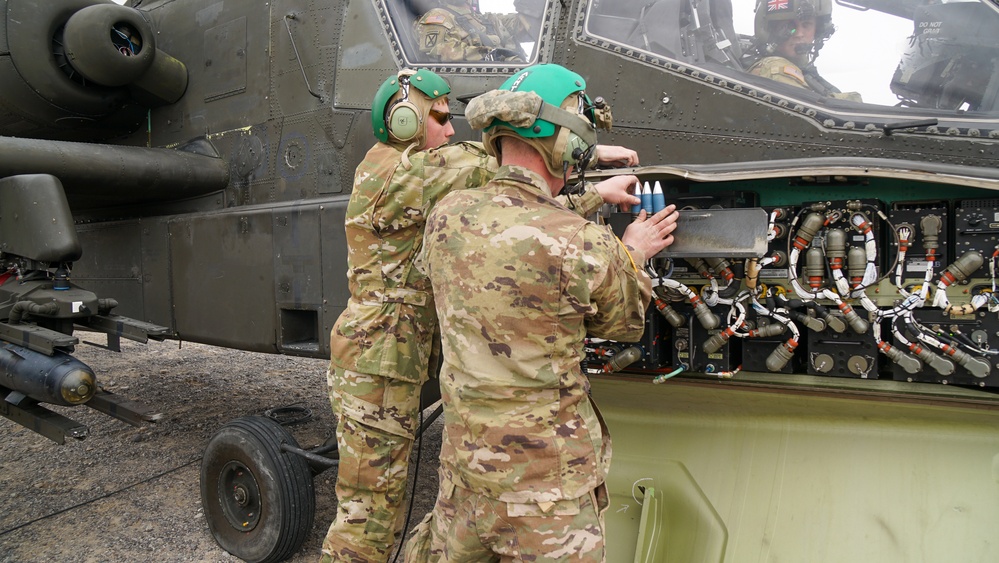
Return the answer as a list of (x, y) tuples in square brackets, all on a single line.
[(259, 501)]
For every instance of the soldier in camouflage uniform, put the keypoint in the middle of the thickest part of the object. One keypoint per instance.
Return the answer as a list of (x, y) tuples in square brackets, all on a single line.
[(518, 281), (789, 35), (456, 31), (382, 346)]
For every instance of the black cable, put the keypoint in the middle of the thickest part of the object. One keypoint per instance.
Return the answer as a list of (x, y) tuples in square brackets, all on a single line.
[(102, 497), (289, 415), (565, 185)]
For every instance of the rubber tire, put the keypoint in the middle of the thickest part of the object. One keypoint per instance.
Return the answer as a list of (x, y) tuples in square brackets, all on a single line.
[(284, 488)]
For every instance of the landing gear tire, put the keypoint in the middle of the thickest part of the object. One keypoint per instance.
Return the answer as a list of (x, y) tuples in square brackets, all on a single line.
[(259, 501)]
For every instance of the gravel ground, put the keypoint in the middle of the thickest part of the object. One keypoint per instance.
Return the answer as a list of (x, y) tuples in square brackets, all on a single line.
[(129, 494)]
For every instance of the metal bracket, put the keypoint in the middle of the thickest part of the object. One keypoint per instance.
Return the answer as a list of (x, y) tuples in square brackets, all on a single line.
[(123, 409), (29, 414), (37, 338), (116, 325)]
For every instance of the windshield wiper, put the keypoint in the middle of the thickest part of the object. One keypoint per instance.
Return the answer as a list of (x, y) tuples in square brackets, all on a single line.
[(890, 128)]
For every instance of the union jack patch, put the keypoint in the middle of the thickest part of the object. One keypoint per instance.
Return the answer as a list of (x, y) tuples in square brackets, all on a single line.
[(776, 5)]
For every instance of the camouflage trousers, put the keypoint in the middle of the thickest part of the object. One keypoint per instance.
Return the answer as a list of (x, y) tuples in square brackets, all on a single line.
[(377, 420), (467, 526)]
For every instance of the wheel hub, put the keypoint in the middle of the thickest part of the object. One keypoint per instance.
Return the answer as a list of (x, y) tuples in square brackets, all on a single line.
[(239, 496)]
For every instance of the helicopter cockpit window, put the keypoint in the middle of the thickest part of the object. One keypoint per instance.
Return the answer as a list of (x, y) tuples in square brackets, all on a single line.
[(939, 55), (480, 32)]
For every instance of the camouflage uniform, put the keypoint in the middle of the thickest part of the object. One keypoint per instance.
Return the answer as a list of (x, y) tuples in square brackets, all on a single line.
[(383, 343), (455, 32), (780, 70), (784, 71), (519, 281)]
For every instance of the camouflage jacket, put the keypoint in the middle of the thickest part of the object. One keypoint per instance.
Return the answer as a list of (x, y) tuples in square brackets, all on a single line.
[(786, 72), (388, 326), (455, 33), (781, 70), (519, 281)]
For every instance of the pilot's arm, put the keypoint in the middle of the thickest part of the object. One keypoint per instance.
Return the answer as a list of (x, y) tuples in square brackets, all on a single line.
[(780, 70), (524, 25), (442, 38), (784, 71)]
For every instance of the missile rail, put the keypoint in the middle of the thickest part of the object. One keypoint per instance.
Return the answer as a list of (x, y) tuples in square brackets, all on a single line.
[(40, 308)]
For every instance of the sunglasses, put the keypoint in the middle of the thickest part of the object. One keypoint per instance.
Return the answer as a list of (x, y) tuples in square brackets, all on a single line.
[(441, 117)]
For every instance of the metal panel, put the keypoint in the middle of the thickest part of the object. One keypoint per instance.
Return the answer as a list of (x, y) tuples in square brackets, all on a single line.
[(111, 264), (157, 299), (235, 41), (225, 59), (773, 473), (222, 273), (719, 233), (366, 60), (298, 276)]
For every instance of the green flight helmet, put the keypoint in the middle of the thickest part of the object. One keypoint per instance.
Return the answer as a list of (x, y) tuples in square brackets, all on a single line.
[(554, 83), (397, 113), (565, 122)]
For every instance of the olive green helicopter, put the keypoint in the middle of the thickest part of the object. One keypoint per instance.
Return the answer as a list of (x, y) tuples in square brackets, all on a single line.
[(818, 375)]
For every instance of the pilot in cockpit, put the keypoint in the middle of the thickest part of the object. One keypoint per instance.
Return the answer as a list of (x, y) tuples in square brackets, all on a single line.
[(788, 37), (455, 31)]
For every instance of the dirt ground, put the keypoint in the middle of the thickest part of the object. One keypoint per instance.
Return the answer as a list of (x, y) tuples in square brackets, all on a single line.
[(129, 494)]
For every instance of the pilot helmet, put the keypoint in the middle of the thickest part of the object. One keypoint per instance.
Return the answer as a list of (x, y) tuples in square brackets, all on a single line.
[(774, 24), (402, 104), (547, 107)]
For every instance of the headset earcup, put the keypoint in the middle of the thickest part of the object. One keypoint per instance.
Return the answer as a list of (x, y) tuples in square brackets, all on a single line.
[(566, 143), (404, 121), (574, 143)]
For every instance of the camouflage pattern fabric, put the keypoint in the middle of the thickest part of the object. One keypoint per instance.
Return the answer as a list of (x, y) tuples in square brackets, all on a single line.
[(456, 33), (374, 438), (569, 530), (519, 109), (519, 281), (389, 321), (779, 69), (384, 340), (784, 71), (388, 325), (382, 344)]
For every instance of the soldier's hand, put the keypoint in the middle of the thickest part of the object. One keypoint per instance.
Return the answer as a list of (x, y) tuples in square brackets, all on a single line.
[(649, 235), (616, 156), (618, 190)]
